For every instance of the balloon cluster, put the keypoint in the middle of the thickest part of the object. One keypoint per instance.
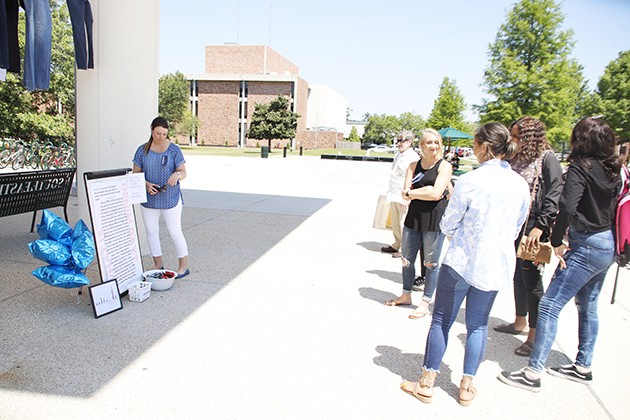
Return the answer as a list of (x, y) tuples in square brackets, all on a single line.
[(67, 251)]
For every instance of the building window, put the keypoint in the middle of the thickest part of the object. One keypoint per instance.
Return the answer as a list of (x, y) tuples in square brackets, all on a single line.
[(243, 90)]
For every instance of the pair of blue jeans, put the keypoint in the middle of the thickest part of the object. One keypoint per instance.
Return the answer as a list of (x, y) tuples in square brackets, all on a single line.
[(431, 243), (452, 289), (82, 20), (38, 44), (590, 256)]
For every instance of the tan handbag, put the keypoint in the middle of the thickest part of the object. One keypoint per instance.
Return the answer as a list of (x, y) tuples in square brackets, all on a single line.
[(542, 254), (382, 216)]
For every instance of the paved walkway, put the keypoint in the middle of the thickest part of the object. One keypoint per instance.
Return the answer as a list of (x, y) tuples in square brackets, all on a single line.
[(281, 318)]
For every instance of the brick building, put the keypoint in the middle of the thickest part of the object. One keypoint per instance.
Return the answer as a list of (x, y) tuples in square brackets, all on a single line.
[(236, 78)]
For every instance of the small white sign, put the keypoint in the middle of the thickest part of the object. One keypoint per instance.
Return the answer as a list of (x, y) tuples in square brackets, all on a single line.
[(105, 298), (137, 189)]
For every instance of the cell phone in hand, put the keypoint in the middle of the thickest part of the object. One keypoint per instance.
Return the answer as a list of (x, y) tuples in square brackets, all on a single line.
[(162, 188)]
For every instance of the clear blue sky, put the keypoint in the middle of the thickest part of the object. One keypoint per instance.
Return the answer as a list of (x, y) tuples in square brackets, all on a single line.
[(384, 57)]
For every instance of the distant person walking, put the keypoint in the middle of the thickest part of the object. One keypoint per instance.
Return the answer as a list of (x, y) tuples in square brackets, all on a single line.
[(587, 211), (398, 205), (538, 165), (484, 216), (163, 165)]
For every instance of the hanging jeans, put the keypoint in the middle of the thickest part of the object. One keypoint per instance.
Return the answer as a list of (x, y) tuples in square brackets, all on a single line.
[(38, 44), (82, 20), (9, 47)]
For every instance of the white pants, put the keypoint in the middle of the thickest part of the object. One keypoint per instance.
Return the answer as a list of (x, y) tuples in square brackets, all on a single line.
[(398, 213), (173, 220)]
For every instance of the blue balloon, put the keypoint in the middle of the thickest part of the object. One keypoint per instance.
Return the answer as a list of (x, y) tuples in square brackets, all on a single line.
[(55, 228), (67, 251), (83, 250), (63, 277), (51, 252)]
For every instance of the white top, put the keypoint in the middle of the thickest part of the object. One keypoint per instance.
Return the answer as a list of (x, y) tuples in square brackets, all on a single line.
[(484, 217), (398, 173)]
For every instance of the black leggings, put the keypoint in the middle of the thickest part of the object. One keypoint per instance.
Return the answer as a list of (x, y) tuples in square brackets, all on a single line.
[(528, 290)]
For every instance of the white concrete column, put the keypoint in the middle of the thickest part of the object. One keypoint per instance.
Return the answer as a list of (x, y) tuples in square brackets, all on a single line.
[(117, 100)]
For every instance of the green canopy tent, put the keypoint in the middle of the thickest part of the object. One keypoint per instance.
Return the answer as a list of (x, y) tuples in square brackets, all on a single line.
[(450, 133)]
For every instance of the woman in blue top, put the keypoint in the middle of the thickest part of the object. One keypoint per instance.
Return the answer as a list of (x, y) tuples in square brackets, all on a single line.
[(164, 166), (483, 219)]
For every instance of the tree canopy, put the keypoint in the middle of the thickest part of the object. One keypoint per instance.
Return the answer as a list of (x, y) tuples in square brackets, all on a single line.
[(382, 129), (448, 107), (273, 121), (613, 90), (531, 72), (354, 135), (173, 98), (46, 114)]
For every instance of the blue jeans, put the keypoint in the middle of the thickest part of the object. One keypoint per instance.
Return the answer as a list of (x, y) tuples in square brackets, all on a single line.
[(451, 291), (588, 261), (38, 45), (82, 20), (432, 246)]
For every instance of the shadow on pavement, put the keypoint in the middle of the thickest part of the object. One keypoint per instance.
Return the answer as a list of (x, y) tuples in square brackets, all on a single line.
[(51, 343)]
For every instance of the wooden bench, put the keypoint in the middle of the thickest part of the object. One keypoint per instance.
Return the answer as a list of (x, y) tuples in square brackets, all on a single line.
[(23, 192)]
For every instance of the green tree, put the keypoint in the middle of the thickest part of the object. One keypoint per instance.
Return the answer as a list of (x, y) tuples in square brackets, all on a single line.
[(531, 72), (46, 114), (448, 107), (354, 135), (412, 122), (189, 124), (173, 98), (273, 121), (613, 90), (381, 129)]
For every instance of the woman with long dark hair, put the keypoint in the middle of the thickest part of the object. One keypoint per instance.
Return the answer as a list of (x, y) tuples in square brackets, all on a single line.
[(587, 211), (163, 165), (536, 162)]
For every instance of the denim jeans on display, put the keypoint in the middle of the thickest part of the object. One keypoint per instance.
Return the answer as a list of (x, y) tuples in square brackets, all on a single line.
[(451, 291), (82, 20), (38, 44), (588, 261), (431, 243), (9, 47), (4, 36)]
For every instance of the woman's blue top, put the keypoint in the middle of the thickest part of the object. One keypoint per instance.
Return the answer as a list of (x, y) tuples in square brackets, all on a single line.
[(157, 168)]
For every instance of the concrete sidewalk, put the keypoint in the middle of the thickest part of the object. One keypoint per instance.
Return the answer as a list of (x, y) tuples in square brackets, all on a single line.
[(281, 318)]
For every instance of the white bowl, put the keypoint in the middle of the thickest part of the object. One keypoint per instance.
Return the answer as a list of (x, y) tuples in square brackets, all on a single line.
[(157, 283)]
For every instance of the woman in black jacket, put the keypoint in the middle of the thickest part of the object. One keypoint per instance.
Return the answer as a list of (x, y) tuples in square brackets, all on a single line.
[(536, 162), (587, 211)]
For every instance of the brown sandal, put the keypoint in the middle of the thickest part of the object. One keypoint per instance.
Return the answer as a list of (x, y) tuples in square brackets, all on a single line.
[(524, 349), (423, 389), (467, 393)]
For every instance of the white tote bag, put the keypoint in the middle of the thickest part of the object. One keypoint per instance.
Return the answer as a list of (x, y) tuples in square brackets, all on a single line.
[(382, 216)]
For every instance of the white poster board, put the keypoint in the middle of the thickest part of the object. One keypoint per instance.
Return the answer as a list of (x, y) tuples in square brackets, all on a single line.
[(111, 195)]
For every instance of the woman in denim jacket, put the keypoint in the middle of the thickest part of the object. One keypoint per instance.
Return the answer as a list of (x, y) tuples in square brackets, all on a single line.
[(483, 219)]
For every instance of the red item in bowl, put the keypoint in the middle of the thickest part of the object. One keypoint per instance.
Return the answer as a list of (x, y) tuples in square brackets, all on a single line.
[(162, 275)]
